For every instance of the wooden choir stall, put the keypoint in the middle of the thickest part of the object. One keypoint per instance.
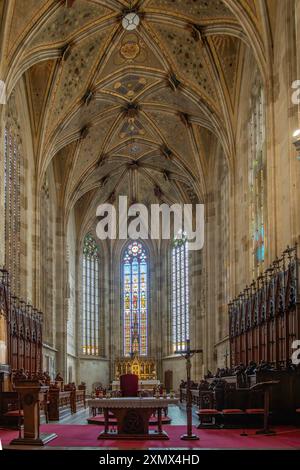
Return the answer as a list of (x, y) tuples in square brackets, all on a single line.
[(27, 394), (20, 329), (264, 319), (262, 383)]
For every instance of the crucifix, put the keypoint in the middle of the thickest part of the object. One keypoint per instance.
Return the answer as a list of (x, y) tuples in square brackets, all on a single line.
[(226, 357), (188, 354)]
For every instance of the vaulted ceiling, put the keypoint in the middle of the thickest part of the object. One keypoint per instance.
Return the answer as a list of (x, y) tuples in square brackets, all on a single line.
[(130, 112)]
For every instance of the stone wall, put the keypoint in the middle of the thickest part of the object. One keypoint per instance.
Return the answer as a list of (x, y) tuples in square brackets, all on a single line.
[(50, 278)]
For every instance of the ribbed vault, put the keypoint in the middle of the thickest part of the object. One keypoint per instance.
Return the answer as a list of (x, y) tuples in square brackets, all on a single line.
[(133, 113)]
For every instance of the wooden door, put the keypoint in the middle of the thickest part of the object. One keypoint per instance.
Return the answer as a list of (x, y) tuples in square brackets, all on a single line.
[(168, 380)]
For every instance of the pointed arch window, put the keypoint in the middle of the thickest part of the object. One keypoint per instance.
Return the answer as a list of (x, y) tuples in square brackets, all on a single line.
[(46, 270), (12, 203), (180, 294), (256, 176), (135, 293), (90, 297)]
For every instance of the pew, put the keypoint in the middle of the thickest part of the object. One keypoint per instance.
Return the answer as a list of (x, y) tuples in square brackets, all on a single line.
[(79, 399), (44, 402), (194, 392), (60, 403), (65, 399), (195, 396)]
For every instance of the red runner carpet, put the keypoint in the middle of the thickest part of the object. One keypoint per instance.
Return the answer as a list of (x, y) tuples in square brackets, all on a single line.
[(287, 437)]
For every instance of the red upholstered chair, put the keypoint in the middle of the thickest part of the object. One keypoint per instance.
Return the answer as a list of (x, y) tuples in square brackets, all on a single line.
[(232, 411), (209, 417), (10, 415), (129, 385), (255, 416)]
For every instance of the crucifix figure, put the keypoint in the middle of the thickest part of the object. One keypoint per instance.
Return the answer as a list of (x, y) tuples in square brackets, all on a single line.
[(226, 358), (188, 354), (135, 338)]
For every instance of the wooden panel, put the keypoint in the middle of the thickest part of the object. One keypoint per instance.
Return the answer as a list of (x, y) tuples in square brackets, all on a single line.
[(24, 329), (265, 318)]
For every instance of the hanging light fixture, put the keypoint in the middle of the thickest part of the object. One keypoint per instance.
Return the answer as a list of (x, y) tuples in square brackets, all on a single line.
[(296, 136), (296, 142)]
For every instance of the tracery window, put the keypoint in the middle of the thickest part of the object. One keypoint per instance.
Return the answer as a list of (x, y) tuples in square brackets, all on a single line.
[(90, 297), (180, 294), (223, 246), (257, 174), (46, 259), (135, 292), (12, 163)]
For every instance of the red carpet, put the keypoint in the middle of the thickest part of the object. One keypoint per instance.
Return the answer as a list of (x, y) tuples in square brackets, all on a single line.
[(288, 437)]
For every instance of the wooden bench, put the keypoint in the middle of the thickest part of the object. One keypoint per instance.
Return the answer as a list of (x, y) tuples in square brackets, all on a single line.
[(67, 401), (59, 403), (78, 399)]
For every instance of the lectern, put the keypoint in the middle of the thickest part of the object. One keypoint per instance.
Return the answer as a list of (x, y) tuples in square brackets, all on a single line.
[(28, 392), (266, 388)]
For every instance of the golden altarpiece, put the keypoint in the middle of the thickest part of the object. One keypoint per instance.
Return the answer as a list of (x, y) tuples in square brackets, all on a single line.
[(144, 367)]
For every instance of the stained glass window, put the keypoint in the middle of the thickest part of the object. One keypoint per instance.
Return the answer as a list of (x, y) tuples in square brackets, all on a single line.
[(12, 207), (222, 245), (90, 297), (180, 294), (256, 173), (135, 299)]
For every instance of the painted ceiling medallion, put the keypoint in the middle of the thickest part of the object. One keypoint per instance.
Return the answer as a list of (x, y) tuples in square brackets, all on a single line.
[(130, 85), (130, 21), (130, 50)]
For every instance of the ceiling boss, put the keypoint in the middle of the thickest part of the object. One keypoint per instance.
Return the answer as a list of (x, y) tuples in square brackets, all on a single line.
[(130, 21)]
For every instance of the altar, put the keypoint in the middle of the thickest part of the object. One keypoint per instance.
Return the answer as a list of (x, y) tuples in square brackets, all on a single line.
[(132, 416)]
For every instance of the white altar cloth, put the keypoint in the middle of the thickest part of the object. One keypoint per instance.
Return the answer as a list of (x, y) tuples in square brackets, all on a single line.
[(128, 402)]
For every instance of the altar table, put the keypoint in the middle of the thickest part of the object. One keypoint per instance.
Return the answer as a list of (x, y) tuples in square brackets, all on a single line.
[(132, 416)]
